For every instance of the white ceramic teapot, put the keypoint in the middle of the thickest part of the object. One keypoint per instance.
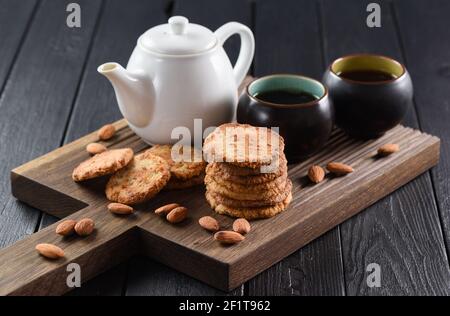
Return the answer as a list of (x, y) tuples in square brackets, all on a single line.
[(177, 73)]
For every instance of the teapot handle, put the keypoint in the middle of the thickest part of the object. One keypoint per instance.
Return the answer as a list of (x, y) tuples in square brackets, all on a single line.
[(247, 47)]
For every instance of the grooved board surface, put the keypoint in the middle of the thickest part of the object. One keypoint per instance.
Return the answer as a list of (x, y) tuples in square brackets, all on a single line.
[(46, 184)]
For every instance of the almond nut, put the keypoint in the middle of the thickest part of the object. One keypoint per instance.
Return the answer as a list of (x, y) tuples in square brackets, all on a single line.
[(316, 174), (66, 228), (228, 237), (209, 223), (120, 209), (241, 226), (85, 227), (164, 210), (50, 251), (106, 132), (388, 149), (96, 148), (177, 215), (339, 169)]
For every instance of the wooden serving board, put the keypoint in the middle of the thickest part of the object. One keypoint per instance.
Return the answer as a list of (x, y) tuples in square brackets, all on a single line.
[(46, 184)]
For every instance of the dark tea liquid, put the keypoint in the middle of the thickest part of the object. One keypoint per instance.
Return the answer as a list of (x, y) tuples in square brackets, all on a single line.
[(367, 75), (286, 97)]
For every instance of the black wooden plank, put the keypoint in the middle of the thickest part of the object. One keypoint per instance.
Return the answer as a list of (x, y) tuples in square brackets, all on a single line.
[(15, 18), (120, 26), (96, 104), (424, 27), (12, 35), (213, 14), (147, 277), (37, 99), (402, 232), (288, 37)]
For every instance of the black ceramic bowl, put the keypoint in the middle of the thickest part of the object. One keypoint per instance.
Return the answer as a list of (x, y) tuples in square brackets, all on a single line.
[(367, 104), (305, 127)]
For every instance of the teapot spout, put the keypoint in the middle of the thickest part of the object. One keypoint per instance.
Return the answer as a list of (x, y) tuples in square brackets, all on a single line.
[(135, 93)]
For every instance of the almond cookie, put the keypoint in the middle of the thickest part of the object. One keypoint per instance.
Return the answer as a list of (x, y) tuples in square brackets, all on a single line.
[(248, 175), (277, 184), (176, 184), (243, 145), (248, 213), (216, 170), (233, 193), (141, 180), (179, 169), (102, 164), (220, 199)]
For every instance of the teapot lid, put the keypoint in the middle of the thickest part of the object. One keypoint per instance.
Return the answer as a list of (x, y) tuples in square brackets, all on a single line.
[(178, 37)]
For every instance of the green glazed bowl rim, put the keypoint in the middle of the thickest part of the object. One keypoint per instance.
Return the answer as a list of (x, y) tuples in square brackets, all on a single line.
[(281, 105), (330, 68)]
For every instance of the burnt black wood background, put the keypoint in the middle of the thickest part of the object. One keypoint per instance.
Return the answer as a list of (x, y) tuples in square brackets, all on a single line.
[(51, 94)]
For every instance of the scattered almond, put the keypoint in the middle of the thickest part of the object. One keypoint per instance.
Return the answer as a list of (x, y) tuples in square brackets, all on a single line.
[(177, 215), (50, 251), (106, 132), (241, 226), (316, 174), (388, 149), (209, 223), (96, 148), (85, 227), (339, 169), (66, 228), (164, 210), (120, 209), (228, 237)]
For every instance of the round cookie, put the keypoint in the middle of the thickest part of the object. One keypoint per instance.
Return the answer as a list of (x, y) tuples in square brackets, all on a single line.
[(102, 164), (226, 172), (142, 179), (176, 184), (243, 145), (280, 164), (220, 199), (277, 184), (248, 212), (269, 194), (182, 170)]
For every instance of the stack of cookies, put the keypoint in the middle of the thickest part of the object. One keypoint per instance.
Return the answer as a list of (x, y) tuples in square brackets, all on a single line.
[(246, 174)]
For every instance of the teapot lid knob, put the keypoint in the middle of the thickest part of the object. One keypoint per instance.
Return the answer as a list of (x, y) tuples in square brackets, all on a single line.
[(178, 37), (178, 24)]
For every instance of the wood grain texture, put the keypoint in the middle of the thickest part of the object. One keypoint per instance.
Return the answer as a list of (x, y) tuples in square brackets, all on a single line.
[(19, 14), (402, 233), (426, 46), (186, 247), (37, 98), (292, 47)]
